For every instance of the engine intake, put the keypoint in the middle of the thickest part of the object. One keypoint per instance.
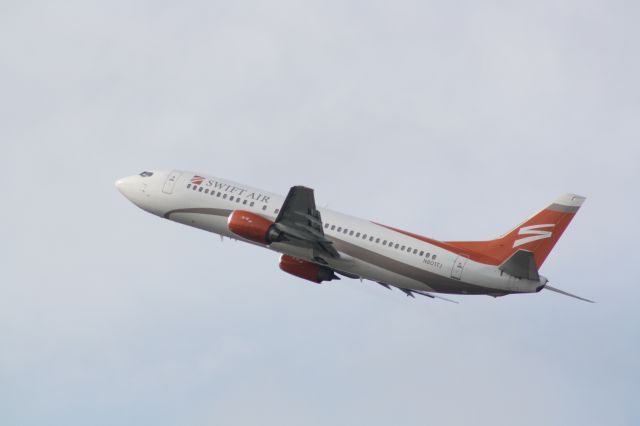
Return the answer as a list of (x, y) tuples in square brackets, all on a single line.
[(252, 227), (306, 270)]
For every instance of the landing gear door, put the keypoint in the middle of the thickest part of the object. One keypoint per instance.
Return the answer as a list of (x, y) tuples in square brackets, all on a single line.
[(170, 183), (458, 267)]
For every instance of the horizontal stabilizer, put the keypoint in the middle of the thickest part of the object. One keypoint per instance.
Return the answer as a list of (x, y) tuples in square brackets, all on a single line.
[(557, 290), (521, 264)]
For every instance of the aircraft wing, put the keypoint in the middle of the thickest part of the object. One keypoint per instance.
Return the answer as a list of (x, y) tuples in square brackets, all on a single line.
[(300, 222)]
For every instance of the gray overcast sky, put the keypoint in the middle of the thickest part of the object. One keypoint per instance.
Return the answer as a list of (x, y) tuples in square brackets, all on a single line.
[(452, 119)]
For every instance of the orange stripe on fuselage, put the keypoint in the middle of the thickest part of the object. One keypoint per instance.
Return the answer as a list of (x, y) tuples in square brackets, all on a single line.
[(460, 251)]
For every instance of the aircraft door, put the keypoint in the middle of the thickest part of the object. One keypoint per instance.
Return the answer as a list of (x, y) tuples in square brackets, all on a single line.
[(170, 183), (458, 267)]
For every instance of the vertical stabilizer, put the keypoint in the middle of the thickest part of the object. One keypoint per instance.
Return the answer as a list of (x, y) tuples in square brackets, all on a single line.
[(538, 234)]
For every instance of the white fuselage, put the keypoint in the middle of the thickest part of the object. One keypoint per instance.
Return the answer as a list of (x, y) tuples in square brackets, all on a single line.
[(367, 250)]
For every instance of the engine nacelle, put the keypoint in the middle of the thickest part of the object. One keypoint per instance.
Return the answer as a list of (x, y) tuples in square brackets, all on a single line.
[(306, 270), (251, 226)]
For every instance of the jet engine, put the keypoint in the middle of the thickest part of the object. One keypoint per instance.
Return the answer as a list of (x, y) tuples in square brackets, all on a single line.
[(307, 270), (252, 227)]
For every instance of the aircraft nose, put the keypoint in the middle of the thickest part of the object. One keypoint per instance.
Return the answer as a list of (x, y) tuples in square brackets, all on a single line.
[(125, 186)]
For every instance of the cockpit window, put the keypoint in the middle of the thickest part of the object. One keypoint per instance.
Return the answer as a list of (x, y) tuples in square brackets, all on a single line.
[(146, 174)]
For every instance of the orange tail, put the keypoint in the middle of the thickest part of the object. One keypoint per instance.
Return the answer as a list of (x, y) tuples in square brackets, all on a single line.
[(537, 234)]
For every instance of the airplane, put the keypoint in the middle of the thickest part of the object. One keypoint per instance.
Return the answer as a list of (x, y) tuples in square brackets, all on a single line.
[(319, 244)]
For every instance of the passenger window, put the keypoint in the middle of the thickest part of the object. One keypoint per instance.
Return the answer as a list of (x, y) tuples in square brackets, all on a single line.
[(244, 202), (397, 246), (433, 257), (218, 194), (200, 189), (333, 227), (264, 207), (427, 255), (206, 191), (224, 196), (415, 251), (421, 253), (402, 248), (345, 231), (350, 232), (357, 235), (188, 186), (377, 240), (231, 198), (326, 226), (339, 229), (252, 203), (277, 210), (238, 200), (384, 243)]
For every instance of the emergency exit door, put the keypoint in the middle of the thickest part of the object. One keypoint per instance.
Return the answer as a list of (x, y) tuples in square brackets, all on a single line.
[(458, 267), (170, 183)]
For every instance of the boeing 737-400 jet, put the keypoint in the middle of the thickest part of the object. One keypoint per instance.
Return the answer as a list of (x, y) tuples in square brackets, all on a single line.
[(321, 244)]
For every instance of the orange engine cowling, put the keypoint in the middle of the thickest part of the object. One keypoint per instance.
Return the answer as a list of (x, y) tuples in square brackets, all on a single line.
[(307, 270), (250, 226)]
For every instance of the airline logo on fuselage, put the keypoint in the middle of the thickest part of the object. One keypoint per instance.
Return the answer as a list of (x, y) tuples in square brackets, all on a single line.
[(207, 185), (536, 233), (197, 180)]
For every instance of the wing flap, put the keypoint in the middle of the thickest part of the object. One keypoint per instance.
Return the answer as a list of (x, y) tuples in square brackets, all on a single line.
[(299, 220)]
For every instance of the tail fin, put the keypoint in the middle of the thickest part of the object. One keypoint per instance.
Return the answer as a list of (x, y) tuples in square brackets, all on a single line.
[(538, 234)]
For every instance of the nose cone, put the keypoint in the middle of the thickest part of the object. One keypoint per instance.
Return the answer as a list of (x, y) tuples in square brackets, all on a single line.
[(145, 191), (126, 186)]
